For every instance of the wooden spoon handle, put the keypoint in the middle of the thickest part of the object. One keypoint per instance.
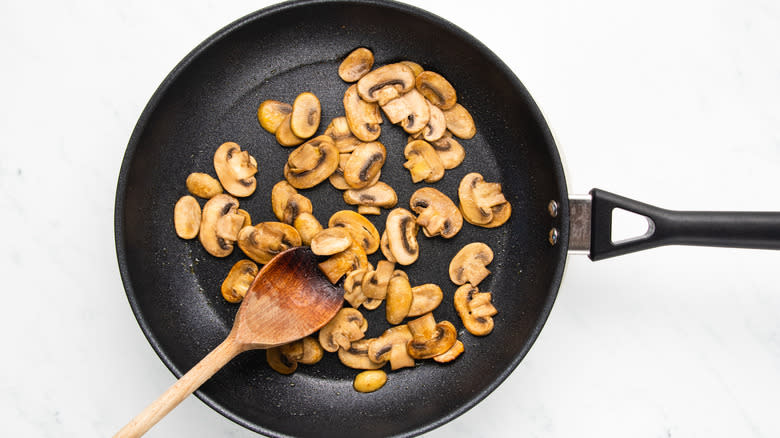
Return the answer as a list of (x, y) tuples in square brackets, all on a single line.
[(185, 386)]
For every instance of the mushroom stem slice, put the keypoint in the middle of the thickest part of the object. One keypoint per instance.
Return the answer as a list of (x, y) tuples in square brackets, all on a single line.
[(429, 338)]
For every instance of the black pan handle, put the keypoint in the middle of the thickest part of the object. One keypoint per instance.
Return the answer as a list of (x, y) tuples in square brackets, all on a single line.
[(759, 230)]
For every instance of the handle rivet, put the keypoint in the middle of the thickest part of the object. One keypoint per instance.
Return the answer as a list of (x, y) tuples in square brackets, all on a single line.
[(553, 236), (552, 207)]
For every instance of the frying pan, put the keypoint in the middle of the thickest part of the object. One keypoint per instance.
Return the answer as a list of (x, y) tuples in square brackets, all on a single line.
[(212, 97)]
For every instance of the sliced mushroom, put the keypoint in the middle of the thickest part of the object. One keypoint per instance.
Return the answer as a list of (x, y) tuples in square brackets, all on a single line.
[(460, 122), (356, 64), (214, 210), (312, 351), (348, 325), (187, 217), (410, 110), (307, 226), (361, 229), (356, 356), (312, 162), (391, 346), (369, 381), (436, 213), (235, 169), (482, 203), (353, 289), (416, 68), (229, 225), (287, 203), (337, 177), (397, 75), (401, 229), (384, 245), (203, 185), (469, 263), (271, 114), (375, 282), (238, 280), (451, 354), (450, 151), (437, 124), (339, 131), (247, 217), (363, 117), (285, 358), (364, 164), (265, 240), (280, 362), (340, 264), (425, 298), (475, 309), (430, 339), (377, 195), (436, 89), (331, 241), (423, 162), (285, 135), (305, 116), (399, 297)]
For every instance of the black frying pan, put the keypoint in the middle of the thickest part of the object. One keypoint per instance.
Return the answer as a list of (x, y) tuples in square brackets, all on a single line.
[(212, 97)]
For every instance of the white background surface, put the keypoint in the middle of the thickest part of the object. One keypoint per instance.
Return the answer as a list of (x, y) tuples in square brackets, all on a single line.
[(675, 103)]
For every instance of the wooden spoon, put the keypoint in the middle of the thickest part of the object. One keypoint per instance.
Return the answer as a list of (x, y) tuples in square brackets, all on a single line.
[(289, 299)]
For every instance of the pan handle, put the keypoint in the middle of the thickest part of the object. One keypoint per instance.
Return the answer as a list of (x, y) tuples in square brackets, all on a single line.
[(759, 230)]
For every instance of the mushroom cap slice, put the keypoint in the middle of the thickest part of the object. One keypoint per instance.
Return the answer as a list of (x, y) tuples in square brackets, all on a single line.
[(391, 346), (401, 229), (305, 116), (312, 351), (482, 203), (363, 117), (436, 89), (340, 264), (307, 226), (361, 229), (287, 203), (437, 124), (331, 241), (475, 309), (375, 282), (353, 289), (399, 297), (265, 240), (364, 164), (238, 280), (215, 208), (312, 162), (285, 135), (410, 110), (398, 76), (342, 136), (356, 64), (460, 122), (425, 298), (451, 354), (377, 195), (348, 325), (235, 169), (437, 214), (450, 151), (356, 356), (271, 114), (469, 263), (423, 162), (187, 217), (280, 362), (430, 339), (203, 185)]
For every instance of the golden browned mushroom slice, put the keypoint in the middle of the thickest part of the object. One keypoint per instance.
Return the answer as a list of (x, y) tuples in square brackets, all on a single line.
[(369, 381), (469, 263), (436, 213), (410, 110), (308, 226), (353, 289), (356, 356), (436, 89), (238, 280), (451, 354), (312, 351), (214, 212), (475, 309), (450, 151), (312, 162), (287, 203), (364, 164), (187, 217), (361, 229), (391, 346), (375, 282), (271, 114), (305, 116), (399, 297), (430, 339), (416, 68), (376, 196), (284, 134), (235, 169), (337, 177), (203, 185), (342, 263), (460, 122), (348, 325), (356, 64), (342, 136), (280, 362), (401, 229), (384, 244), (437, 124), (331, 241), (423, 162), (265, 240), (425, 298), (285, 358), (363, 117), (398, 76), (483, 203)]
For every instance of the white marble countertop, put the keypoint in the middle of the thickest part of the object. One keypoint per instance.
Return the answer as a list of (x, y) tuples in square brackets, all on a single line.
[(675, 103)]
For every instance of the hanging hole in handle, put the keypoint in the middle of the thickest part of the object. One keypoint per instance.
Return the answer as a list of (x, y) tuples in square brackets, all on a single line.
[(628, 226)]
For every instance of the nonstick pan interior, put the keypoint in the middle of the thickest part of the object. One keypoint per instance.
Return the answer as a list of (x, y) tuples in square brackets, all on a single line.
[(212, 97)]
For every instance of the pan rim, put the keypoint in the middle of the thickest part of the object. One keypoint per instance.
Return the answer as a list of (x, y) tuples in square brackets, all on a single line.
[(562, 220)]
